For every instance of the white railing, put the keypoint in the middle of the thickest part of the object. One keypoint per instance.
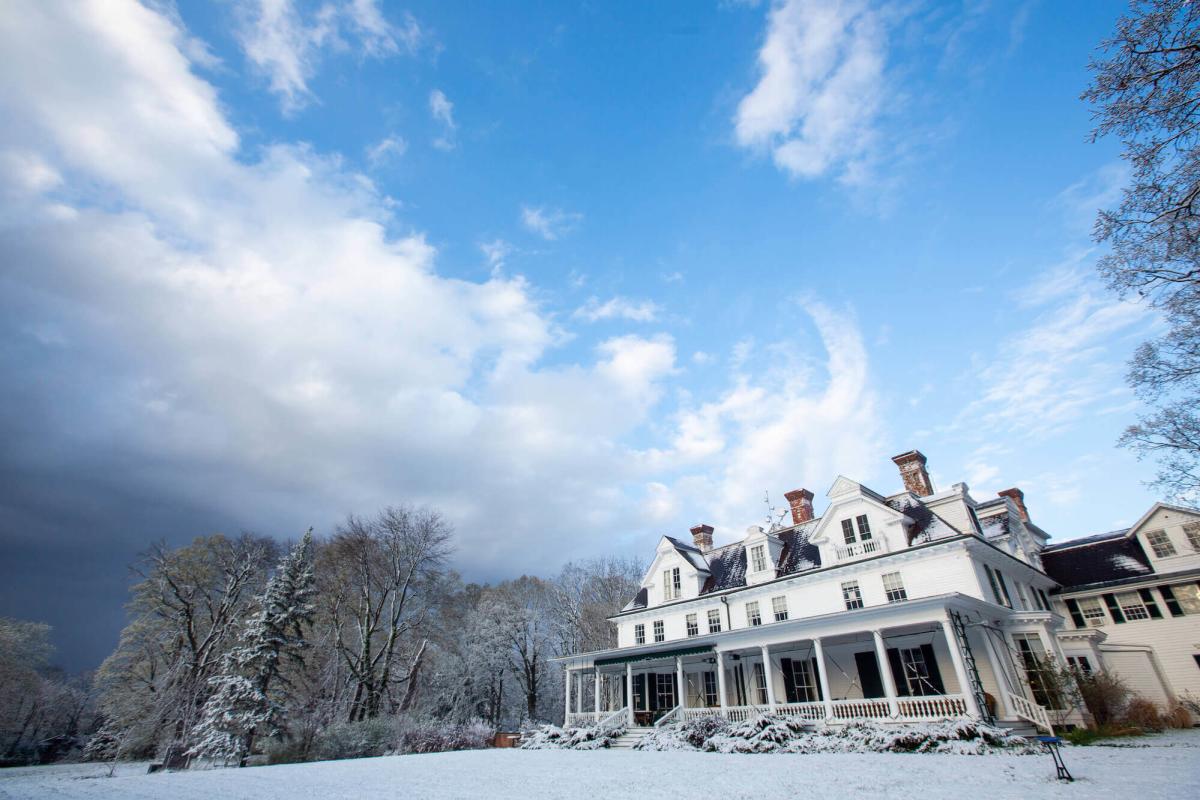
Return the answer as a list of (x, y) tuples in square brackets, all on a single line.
[(861, 709), (740, 713), (947, 706), (866, 548), (813, 712), (667, 718), (697, 713), (580, 719), (615, 719), (1031, 712)]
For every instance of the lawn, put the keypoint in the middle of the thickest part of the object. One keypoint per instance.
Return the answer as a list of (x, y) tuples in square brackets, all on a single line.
[(1146, 768)]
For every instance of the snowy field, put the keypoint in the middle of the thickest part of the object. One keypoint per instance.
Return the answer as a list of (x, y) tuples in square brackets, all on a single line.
[(1166, 766)]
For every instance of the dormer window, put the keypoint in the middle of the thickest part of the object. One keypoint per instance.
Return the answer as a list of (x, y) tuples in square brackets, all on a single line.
[(848, 531), (1192, 531), (1160, 544), (758, 558), (671, 586), (864, 528)]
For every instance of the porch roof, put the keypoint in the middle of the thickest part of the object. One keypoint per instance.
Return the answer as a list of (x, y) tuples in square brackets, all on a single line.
[(653, 655)]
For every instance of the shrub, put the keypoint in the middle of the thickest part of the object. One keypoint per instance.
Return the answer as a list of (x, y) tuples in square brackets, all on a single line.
[(439, 737), (1141, 713), (370, 737), (552, 737), (1105, 696), (1178, 716)]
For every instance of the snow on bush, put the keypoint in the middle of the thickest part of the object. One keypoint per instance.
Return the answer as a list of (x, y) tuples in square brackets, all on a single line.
[(552, 737), (438, 737), (784, 734)]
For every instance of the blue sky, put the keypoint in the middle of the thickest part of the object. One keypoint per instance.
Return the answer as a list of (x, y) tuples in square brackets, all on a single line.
[(577, 274)]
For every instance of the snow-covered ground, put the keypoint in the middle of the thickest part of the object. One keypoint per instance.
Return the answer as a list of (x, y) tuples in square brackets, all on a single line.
[(1152, 767)]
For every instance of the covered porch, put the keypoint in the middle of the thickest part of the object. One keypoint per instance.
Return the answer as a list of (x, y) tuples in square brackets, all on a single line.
[(911, 662)]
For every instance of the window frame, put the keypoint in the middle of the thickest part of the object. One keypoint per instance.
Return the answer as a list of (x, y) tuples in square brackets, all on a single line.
[(864, 527), (1165, 545), (676, 583), (848, 531), (753, 615), (758, 558), (714, 620), (1101, 614), (692, 622), (852, 595), (1135, 611), (1191, 532), (895, 593), (639, 633), (779, 608), (660, 631)]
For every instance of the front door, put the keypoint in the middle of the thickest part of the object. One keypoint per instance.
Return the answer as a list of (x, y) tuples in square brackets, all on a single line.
[(868, 674)]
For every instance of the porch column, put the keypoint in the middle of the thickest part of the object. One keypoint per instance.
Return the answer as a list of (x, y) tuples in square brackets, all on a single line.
[(567, 696), (823, 678), (721, 677), (629, 690), (596, 702), (885, 671), (579, 692), (769, 678), (680, 686), (1000, 671), (960, 670)]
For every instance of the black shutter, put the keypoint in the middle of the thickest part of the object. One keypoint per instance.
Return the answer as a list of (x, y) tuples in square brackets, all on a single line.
[(639, 692), (935, 674), (1076, 614), (1172, 602), (868, 674), (1110, 600), (1151, 606), (816, 677), (789, 679), (651, 691), (897, 672)]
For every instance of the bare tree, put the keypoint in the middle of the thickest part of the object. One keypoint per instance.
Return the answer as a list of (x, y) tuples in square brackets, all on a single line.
[(588, 593), (382, 579), (1146, 91)]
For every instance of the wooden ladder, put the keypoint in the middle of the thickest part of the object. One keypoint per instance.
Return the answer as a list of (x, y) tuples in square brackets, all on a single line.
[(960, 633)]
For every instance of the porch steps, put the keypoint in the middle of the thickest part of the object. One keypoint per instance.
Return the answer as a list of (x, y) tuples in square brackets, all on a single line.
[(1018, 727), (632, 736)]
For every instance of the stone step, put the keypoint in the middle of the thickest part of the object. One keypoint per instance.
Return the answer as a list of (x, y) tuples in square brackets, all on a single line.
[(631, 737)]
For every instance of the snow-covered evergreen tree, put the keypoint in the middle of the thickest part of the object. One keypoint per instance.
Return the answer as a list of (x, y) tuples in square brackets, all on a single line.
[(243, 703)]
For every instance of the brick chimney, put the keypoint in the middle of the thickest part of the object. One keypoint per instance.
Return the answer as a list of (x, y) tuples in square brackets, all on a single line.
[(913, 473), (801, 503), (1018, 497), (702, 537)]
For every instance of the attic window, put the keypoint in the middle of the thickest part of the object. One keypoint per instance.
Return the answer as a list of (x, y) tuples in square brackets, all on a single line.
[(1160, 544), (671, 585), (758, 558), (848, 531), (864, 528)]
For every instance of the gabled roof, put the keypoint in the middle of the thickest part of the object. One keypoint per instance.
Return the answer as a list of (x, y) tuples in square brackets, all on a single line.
[(926, 523), (691, 553), (1099, 559)]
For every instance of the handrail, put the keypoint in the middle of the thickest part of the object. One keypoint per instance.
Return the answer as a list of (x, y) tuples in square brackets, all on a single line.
[(663, 719), (1031, 712), (616, 716)]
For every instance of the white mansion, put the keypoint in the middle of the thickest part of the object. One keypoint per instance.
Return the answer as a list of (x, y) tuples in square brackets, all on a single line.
[(918, 605)]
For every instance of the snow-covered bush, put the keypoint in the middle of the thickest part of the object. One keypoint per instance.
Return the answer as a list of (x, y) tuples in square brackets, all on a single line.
[(785, 734), (552, 737), (371, 737), (438, 737)]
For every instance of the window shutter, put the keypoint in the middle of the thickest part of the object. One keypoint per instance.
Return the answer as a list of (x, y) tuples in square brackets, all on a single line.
[(935, 674), (789, 679), (1171, 601), (816, 676), (1076, 614), (651, 691), (868, 674), (1151, 606), (897, 672), (1110, 600)]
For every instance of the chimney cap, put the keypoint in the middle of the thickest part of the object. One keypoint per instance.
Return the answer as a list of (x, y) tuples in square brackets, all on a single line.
[(798, 494), (701, 528), (910, 455)]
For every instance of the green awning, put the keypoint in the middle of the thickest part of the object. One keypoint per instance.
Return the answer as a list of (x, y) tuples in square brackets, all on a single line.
[(657, 655)]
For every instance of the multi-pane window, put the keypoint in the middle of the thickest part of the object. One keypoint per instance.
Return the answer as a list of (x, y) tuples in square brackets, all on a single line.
[(864, 527), (664, 694), (893, 587), (1188, 597), (779, 608), (852, 595), (710, 690), (1131, 606), (659, 632), (693, 625), (1043, 601), (1192, 532), (753, 618), (671, 584), (1081, 664), (804, 680), (639, 634), (915, 672), (1021, 593), (758, 558), (1093, 611), (848, 531), (760, 683), (714, 620), (1160, 544)]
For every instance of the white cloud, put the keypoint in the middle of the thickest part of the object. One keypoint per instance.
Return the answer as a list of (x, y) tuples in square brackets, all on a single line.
[(816, 104), (617, 308), (287, 48), (245, 331), (386, 149), (549, 223), (496, 252), (442, 111)]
